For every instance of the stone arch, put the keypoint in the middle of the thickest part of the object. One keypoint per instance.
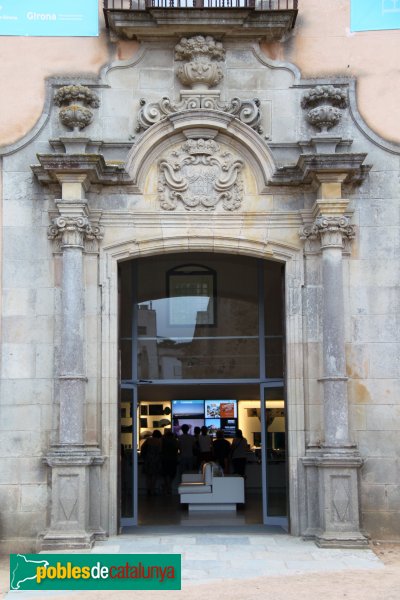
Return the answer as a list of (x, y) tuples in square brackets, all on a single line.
[(224, 244), (201, 123), (128, 249)]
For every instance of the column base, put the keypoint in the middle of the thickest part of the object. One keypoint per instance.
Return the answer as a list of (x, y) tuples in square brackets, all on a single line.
[(333, 514), (340, 540), (65, 540), (75, 492)]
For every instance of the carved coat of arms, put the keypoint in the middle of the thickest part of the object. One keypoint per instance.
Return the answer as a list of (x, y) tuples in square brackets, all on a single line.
[(200, 176)]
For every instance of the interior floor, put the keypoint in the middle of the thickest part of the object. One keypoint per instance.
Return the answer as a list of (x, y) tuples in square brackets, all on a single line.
[(167, 510)]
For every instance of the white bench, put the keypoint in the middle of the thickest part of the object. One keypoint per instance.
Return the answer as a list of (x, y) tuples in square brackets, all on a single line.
[(210, 492)]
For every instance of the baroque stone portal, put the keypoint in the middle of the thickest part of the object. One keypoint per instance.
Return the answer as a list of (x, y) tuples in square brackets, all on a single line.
[(200, 175)]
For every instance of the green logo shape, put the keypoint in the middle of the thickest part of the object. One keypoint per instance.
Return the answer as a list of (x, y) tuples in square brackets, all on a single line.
[(95, 571)]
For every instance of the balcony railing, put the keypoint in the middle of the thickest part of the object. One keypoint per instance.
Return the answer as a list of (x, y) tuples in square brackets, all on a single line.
[(271, 20), (229, 4)]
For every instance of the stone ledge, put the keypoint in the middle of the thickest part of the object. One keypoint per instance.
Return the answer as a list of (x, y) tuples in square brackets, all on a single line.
[(271, 25), (310, 165), (92, 165)]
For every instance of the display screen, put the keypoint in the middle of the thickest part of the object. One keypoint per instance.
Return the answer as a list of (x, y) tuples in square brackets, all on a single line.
[(221, 409), (187, 412), (214, 414), (213, 425), (229, 427)]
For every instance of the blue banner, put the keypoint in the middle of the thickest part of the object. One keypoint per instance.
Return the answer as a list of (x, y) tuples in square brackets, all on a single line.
[(49, 17), (374, 15)]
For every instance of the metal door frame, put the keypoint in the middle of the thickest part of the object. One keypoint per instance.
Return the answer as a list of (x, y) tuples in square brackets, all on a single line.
[(267, 520), (262, 381), (132, 521)]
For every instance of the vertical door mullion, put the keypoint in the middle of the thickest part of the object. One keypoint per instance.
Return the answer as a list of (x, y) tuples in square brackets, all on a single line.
[(261, 319), (135, 455), (268, 520), (264, 455), (134, 321), (133, 520)]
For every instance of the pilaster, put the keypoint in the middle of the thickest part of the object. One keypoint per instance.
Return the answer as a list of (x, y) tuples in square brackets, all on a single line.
[(332, 469), (73, 522)]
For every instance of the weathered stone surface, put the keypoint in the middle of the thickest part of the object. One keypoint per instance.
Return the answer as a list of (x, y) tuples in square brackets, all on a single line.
[(380, 470)]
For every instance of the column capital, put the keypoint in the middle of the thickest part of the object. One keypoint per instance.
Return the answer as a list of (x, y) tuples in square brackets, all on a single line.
[(72, 231), (330, 230)]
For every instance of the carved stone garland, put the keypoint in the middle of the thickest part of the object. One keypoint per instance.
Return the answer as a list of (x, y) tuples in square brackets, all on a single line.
[(200, 73), (324, 103), (74, 102), (200, 176)]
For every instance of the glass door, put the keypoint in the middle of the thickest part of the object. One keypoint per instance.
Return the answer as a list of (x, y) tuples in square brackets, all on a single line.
[(273, 454), (128, 455)]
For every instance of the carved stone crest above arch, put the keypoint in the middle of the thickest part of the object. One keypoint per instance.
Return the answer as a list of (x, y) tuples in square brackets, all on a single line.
[(200, 175), (201, 124)]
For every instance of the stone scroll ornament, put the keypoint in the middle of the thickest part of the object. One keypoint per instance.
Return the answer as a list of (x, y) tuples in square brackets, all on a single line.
[(324, 103), (76, 102), (247, 111), (199, 176)]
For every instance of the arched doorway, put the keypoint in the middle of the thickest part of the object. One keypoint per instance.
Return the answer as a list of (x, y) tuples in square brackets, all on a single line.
[(197, 331)]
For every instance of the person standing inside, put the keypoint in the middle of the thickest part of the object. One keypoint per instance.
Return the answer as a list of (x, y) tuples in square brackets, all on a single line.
[(239, 454), (221, 450), (205, 445), (151, 455), (196, 448), (186, 443), (169, 459)]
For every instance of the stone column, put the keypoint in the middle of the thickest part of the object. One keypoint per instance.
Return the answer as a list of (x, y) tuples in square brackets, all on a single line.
[(333, 470), (72, 524), (331, 231)]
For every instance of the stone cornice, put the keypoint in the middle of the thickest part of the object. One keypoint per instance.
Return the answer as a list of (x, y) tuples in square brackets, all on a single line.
[(310, 165), (93, 165), (164, 23)]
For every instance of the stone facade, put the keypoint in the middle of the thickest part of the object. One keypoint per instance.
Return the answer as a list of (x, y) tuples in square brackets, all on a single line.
[(75, 203)]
